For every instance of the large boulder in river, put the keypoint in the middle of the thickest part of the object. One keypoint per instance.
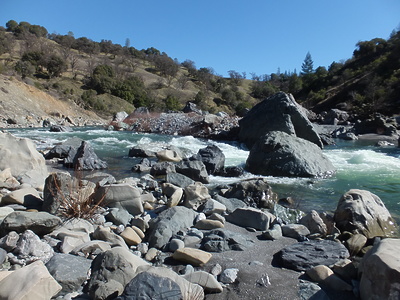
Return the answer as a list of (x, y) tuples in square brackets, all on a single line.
[(25, 162), (279, 112), (281, 154), (213, 158), (361, 211), (86, 159), (380, 269)]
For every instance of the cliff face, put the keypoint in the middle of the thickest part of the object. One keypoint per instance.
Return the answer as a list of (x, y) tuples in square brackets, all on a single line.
[(23, 105)]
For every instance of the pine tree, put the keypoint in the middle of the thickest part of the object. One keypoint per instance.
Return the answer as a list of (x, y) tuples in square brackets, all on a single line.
[(307, 66)]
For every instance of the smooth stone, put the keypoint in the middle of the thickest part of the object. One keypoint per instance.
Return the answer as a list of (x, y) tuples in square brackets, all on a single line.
[(205, 280), (130, 237), (229, 275), (195, 257)]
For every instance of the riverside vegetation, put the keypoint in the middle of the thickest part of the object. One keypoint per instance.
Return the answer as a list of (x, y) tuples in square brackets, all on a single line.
[(166, 234)]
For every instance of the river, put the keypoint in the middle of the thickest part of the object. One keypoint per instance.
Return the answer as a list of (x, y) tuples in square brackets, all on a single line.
[(359, 164)]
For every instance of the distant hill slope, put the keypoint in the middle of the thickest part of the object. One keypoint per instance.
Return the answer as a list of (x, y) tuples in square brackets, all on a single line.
[(25, 105)]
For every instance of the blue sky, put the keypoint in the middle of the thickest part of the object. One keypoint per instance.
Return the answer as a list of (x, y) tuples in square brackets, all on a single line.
[(257, 36)]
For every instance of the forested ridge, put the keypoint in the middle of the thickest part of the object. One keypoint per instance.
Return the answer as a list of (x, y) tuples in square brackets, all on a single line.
[(108, 77)]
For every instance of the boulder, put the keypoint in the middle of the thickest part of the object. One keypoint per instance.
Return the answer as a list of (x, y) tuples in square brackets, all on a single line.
[(251, 217), (105, 234), (64, 194), (377, 124), (195, 257), (191, 107), (196, 195), (220, 240), (121, 196), (279, 112), (141, 151), (168, 155), (207, 224), (213, 158), (89, 248), (60, 128), (30, 248), (380, 271), (296, 231), (314, 223), (335, 116), (64, 150), (120, 116), (188, 290), (174, 194), (361, 211), (28, 197), (207, 281), (275, 233), (168, 223), (40, 223), (86, 159), (194, 169), (255, 192), (305, 255), (7, 180), (229, 275), (25, 162), (162, 168), (230, 203), (325, 276), (280, 154), (32, 282), (111, 271), (146, 285), (178, 180), (69, 271)]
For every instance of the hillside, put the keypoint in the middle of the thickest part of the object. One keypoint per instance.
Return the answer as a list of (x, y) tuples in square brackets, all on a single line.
[(104, 78)]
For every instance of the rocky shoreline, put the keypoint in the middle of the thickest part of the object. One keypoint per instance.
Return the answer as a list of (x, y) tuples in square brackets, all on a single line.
[(167, 235)]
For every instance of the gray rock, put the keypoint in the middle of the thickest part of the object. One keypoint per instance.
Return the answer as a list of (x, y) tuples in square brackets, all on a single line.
[(251, 217), (363, 212), (118, 216), (280, 154), (194, 169), (105, 234), (60, 128), (196, 195), (309, 290), (86, 159), (229, 275), (279, 112), (65, 149), (207, 281), (151, 286), (141, 151), (9, 241), (380, 271), (219, 240), (30, 248), (305, 255), (121, 196), (314, 223), (178, 180), (168, 223), (40, 223), (274, 233), (25, 162), (230, 203), (287, 215), (69, 271), (213, 158), (111, 271), (162, 168), (3, 256), (295, 231), (120, 116)]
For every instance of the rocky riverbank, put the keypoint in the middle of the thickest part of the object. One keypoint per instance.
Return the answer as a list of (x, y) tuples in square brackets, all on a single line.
[(95, 238)]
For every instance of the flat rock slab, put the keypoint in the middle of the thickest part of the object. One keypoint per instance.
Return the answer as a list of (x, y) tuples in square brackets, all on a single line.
[(305, 255)]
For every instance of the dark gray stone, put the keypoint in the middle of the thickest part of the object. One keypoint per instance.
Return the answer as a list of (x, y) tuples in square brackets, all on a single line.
[(40, 223), (65, 149), (141, 151), (162, 168), (251, 217), (179, 180), (220, 240), (281, 154), (3, 256), (305, 255), (279, 112), (150, 286), (69, 271), (118, 216), (193, 169), (230, 203), (213, 158), (168, 223), (86, 159), (60, 128)]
